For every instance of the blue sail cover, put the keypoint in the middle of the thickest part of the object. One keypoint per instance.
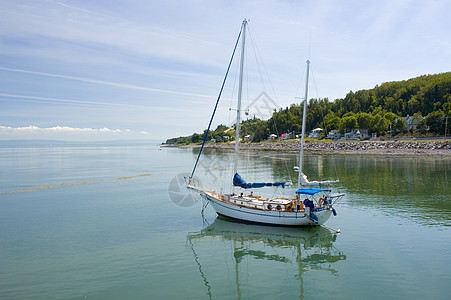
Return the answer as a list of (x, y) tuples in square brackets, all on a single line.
[(311, 191), (239, 181)]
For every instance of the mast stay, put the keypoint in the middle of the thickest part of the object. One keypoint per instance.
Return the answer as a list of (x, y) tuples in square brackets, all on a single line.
[(304, 118), (217, 102), (240, 90)]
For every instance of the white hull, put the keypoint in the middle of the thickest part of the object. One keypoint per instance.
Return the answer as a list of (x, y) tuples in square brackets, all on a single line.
[(285, 218)]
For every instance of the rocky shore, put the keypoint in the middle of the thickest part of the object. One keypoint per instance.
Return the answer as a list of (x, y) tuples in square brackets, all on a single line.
[(392, 148)]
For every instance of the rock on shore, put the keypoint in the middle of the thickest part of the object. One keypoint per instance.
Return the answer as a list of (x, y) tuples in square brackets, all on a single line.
[(397, 148)]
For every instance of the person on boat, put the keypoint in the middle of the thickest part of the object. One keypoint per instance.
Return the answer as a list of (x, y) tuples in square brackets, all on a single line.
[(310, 205)]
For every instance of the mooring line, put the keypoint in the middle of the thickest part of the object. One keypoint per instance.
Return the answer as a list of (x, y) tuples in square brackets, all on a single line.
[(324, 226)]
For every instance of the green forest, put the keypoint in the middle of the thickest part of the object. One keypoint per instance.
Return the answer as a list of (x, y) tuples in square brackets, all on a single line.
[(381, 110)]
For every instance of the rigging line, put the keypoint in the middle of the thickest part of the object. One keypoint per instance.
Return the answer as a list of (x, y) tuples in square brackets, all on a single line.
[(259, 61), (231, 96), (318, 98), (322, 113), (256, 59), (235, 79), (301, 80), (264, 76), (246, 111), (314, 82), (276, 191), (216, 105), (309, 44)]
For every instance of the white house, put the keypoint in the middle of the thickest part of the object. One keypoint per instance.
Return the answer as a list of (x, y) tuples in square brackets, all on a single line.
[(334, 134), (411, 122), (314, 134), (357, 134)]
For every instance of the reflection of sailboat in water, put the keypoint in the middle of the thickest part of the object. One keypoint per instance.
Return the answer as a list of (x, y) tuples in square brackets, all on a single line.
[(309, 248)]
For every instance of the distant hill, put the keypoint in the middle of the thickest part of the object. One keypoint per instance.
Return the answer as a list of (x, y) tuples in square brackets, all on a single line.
[(423, 94), (425, 99)]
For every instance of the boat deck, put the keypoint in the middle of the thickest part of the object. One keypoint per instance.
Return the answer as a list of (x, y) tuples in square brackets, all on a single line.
[(256, 202)]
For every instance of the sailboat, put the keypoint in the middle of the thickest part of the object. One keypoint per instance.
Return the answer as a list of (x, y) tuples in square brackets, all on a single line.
[(312, 204)]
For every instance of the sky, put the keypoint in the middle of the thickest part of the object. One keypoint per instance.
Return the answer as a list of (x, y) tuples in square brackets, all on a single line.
[(143, 69)]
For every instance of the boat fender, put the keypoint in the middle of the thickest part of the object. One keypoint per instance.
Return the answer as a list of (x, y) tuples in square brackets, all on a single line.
[(269, 206), (334, 211)]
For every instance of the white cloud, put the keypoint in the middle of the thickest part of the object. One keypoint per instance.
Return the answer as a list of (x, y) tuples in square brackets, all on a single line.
[(67, 133), (32, 128)]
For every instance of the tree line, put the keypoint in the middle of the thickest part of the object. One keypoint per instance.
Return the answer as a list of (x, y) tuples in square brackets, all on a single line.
[(425, 99)]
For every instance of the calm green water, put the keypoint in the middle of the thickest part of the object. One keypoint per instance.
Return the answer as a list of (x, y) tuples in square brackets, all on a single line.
[(91, 223)]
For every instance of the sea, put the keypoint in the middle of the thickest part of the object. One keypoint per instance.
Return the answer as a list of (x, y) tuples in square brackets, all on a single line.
[(116, 222)]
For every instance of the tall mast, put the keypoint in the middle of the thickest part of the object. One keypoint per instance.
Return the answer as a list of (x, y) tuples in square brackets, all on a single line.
[(240, 89), (304, 117)]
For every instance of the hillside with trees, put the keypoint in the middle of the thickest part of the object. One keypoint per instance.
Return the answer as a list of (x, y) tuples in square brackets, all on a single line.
[(425, 99)]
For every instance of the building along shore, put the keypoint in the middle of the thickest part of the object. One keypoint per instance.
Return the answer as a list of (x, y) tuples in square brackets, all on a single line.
[(440, 148)]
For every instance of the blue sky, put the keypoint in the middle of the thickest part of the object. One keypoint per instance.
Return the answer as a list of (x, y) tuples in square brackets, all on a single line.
[(105, 70)]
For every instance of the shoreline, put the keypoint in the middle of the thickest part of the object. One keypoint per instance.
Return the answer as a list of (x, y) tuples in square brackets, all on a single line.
[(385, 148)]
